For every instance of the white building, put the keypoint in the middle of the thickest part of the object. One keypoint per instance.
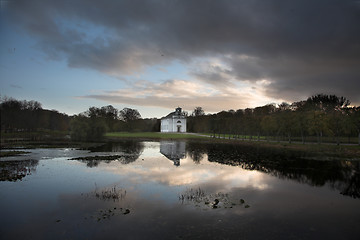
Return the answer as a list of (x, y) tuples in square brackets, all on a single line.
[(174, 122)]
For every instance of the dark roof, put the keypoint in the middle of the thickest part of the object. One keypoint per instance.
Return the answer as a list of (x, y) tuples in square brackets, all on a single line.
[(177, 113)]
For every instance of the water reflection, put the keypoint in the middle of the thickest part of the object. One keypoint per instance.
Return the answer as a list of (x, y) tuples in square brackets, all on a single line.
[(173, 150), (17, 170), (341, 175), (123, 151), (219, 191), (201, 198), (126, 146)]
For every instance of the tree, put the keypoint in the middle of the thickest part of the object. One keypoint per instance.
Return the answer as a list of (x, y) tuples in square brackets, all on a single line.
[(25, 116), (270, 125), (111, 116), (318, 123), (198, 111), (327, 103), (85, 128), (79, 128), (259, 114), (329, 108), (355, 119), (249, 122), (286, 120), (97, 129), (129, 114), (300, 118)]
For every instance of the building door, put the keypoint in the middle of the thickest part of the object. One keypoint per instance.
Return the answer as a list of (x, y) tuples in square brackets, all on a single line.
[(178, 128)]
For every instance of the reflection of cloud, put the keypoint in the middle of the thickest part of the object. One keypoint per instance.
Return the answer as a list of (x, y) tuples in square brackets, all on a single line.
[(250, 178), (158, 169)]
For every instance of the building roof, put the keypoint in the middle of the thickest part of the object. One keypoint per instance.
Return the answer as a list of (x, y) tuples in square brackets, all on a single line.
[(177, 113)]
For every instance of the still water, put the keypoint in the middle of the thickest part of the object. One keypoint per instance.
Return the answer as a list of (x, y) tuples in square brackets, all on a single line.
[(177, 190)]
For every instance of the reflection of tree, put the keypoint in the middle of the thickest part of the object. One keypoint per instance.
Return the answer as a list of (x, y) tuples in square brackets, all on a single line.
[(129, 151), (352, 186), (128, 146), (342, 175), (196, 152), (352, 189), (196, 156), (92, 163), (16, 170)]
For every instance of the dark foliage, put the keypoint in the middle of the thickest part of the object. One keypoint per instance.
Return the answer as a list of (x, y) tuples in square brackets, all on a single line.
[(315, 118), (319, 116), (25, 116)]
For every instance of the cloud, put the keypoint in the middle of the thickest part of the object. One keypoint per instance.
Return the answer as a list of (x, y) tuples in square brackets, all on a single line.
[(188, 94), (212, 71), (296, 79), (301, 47)]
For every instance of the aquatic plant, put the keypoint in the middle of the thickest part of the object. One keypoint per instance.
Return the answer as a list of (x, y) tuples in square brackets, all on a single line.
[(114, 194), (217, 200), (110, 194), (104, 214)]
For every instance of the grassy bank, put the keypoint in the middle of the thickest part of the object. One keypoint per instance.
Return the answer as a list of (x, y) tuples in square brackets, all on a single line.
[(320, 150), (152, 135), (308, 139), (34, 135), (12, 153)]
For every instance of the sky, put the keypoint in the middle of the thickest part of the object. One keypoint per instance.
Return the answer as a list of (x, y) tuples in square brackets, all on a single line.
[(156, 55)]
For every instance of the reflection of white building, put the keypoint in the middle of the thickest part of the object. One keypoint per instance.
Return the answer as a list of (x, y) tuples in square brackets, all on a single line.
[(173, 150), (174, 122)]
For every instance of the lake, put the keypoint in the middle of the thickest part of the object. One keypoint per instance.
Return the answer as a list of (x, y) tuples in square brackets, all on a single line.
[(177, 190)]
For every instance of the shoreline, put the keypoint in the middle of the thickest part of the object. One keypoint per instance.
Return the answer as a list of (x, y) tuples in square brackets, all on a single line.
[(315, 150)]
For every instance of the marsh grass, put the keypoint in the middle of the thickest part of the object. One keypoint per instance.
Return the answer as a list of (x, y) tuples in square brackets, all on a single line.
[(112, 193), (200, 198), (109, 194)]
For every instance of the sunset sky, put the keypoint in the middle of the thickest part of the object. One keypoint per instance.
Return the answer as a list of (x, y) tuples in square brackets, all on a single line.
[(157, 55)]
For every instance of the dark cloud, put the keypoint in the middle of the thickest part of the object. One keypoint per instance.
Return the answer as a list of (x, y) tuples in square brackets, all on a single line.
[(215, 75), (301, 47)]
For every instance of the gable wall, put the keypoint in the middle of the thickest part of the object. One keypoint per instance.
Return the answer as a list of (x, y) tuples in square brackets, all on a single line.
[(170, 124)]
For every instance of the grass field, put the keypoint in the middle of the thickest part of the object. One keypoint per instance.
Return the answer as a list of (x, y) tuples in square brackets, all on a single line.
[(40, 134), (155, 135)]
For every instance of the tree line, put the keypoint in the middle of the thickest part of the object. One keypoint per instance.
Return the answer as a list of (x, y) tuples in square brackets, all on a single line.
[(317, 117), (21, 116), (93, 123), (26, 116)]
